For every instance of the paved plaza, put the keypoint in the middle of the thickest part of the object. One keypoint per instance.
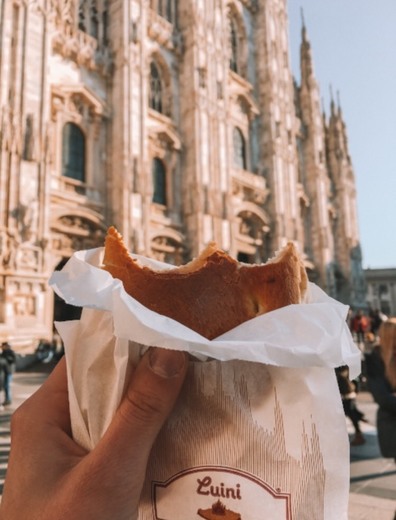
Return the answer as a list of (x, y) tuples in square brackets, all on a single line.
[(373, 478)]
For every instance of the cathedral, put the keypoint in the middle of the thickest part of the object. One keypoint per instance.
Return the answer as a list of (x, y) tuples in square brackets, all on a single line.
[(179, 122)]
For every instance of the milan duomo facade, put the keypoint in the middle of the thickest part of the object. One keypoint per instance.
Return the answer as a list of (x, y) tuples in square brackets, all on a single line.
[(177, 122)]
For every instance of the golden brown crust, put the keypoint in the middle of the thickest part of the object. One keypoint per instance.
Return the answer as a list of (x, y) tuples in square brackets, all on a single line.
[(213, 293)]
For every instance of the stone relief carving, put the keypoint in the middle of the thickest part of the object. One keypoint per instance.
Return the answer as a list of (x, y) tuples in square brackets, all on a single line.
[(5, 248), (75, 223), (16, 256), (24, 305), (68, 244), (55, 10), (23, 297), (27, 220), (28, 257), (38, 6), (63, 10), (160, 30), (249, 193), (74, 233), (9, 244), (75, 45), (164, 249), (28, 153), (11, 133), (72, 41), (252, 228), (78, 104)]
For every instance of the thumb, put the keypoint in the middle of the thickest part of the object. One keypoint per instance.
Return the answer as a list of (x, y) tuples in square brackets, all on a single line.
[(149, 399), (152, 393)]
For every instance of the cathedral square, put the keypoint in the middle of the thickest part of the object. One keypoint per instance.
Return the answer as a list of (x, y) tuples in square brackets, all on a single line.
[(178, 122)]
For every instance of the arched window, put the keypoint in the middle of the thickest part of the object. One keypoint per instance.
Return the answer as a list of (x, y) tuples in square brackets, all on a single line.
[(94, 26), (239, 149), (105, 23), (82, 23), (155, 99), (73, 152), (234, 46), (160, 7), (167, 9), (159, 181), (245, 258), (93, 18)]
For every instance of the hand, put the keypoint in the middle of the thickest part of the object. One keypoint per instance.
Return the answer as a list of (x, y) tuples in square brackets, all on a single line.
[(51, 477)]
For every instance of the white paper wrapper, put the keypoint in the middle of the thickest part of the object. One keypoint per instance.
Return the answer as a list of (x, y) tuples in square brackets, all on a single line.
[(291, 392)]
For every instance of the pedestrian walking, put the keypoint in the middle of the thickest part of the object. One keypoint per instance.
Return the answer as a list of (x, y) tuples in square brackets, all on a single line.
[(381, 377), (10, 357), (376, 319), (3, 373), (348, 395), (360, 324)]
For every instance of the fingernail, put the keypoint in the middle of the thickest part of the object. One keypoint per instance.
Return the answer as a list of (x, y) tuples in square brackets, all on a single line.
[(166, 363)]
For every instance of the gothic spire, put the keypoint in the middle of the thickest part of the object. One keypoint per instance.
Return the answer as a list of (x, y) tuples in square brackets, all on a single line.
[(306, 62), (303, 28), (339, 104), (332, 105)]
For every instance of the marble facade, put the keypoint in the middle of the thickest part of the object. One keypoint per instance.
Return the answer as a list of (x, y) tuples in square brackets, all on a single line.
[(179, 122)]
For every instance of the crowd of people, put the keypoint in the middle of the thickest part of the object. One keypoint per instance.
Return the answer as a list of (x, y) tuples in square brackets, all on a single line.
[(365, 327), (375, 334), (381, 379)]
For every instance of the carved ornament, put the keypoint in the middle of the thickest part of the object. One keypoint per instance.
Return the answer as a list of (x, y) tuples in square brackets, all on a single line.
[(166, 249), (78, 101), (252, 228), (68, 41), (303, 197), (15, 255), (22, 293), (72, 233), (28, 258), (8, 248), (159, 29), (11, 133), (75, 44), (249, 186), (24, 305)]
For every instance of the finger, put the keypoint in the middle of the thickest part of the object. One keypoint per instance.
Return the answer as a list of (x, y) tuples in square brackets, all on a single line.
[(41, 432), (149, 400)]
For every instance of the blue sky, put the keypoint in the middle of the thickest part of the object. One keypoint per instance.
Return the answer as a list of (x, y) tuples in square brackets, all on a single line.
[(354, 50)]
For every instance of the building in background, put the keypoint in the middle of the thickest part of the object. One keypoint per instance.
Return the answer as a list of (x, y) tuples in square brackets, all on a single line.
[(381, 290), (176, 122)]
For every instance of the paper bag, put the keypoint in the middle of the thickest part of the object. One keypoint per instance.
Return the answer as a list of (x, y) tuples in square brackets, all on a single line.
[(259, 429)]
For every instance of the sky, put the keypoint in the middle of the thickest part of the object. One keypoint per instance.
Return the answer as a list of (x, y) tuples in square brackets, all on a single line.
[(353, 45)]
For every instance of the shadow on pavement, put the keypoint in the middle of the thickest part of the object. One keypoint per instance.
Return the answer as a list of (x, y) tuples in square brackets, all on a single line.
[(30, 379), (40, 367), (371, 476), (35, 374), (368, 450)]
